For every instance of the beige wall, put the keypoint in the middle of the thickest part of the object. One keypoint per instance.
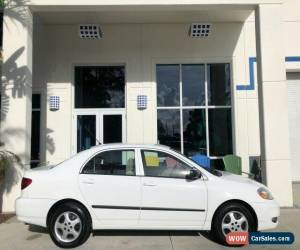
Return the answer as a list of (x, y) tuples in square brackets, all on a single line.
[(57, 48), (139, 47)]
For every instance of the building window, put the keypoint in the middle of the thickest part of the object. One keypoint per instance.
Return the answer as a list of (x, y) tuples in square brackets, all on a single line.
[(99, 87), (194, 109), (1, 28), (35, 130)]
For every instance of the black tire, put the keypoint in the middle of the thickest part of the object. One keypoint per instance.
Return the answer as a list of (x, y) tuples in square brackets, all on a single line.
[(222, 212), (84, 230)]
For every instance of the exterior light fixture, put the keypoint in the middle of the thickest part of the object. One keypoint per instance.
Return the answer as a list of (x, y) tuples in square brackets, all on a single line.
[(54, 102), (200, 30), (90, 31), (142, 102)]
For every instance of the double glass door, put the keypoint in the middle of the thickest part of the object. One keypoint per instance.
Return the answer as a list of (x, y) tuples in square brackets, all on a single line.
[(98, 127)]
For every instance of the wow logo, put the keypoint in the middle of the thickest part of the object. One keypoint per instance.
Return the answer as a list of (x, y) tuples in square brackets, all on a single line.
[(260, 238)]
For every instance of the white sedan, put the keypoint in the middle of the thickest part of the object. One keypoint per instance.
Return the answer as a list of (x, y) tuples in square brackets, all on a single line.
[(121, 186)]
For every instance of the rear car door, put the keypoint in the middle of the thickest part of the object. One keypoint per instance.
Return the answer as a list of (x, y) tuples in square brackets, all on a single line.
[(168, 198), (109, 183)]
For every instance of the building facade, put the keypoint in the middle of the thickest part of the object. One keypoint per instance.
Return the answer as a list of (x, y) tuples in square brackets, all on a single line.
[(204, 77)]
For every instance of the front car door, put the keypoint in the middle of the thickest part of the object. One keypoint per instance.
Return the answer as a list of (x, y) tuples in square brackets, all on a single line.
[(168, 198), (109, 183)]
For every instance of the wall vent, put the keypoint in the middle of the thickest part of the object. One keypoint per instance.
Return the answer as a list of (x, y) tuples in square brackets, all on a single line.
[(200, 30), (90, 31)]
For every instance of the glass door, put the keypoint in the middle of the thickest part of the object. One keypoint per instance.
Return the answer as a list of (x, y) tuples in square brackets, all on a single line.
[(112, 128), (98, 127), (86, 132)]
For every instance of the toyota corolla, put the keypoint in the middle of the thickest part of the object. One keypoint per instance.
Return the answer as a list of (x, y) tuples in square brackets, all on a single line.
[(121, 186)]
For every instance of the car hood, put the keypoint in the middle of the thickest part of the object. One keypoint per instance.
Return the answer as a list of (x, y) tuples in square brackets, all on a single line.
[(239, 179)]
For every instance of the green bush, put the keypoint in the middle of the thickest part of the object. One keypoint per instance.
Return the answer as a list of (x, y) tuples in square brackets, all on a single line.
[(7, 159)]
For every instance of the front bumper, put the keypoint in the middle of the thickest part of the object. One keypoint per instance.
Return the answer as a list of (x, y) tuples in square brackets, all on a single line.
[(33, 211), (267, 213)]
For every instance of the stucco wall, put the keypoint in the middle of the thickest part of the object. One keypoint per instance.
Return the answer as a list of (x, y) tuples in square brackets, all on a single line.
[(140, 47)]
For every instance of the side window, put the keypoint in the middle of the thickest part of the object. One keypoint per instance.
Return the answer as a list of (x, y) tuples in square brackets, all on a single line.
[(160, 164), (113, 162)]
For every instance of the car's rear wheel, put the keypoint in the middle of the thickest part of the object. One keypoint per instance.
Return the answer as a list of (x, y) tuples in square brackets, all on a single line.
[(69, 225), (232, 217)]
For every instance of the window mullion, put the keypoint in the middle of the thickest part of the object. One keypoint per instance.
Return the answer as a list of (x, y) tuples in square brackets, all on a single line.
[(206, 112), (181, 118)]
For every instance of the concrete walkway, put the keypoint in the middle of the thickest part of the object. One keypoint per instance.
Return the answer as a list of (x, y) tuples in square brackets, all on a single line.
[(17, 236)]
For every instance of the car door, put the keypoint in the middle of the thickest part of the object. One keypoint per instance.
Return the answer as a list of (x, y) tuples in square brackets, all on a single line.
[(109, 183), (168, 198)]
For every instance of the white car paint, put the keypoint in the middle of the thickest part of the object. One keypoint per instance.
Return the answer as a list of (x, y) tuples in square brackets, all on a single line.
[(53, 184)]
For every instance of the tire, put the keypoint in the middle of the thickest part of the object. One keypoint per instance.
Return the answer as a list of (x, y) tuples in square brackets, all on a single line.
[(69, 225), (232, 224)]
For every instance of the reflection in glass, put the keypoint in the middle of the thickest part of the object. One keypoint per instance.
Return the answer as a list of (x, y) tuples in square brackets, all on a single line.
[(167, 85), (160, 164), (168, 128), (99, 87), (114, 162), (193, 85), (112, 128), (217, 164), (218, 84), (194, 132), (220, 131), (86, 132)]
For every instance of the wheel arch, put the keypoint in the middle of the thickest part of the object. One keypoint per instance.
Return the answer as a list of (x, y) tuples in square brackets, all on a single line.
[(63, 201), (247, 205)]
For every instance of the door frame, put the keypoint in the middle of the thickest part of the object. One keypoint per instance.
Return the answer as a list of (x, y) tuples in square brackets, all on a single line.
[(99, 113)]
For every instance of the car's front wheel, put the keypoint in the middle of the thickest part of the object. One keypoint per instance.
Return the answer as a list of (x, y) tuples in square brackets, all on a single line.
[(232, 217), (69, 225)]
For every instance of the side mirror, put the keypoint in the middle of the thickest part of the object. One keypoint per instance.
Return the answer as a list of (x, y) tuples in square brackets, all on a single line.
[(194, 174)]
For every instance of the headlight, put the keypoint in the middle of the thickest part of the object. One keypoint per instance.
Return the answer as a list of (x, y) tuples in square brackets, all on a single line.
[(264, 193)]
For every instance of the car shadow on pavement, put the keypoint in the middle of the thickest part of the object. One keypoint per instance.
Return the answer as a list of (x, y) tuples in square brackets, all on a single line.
[(137, 233), (37, 229)]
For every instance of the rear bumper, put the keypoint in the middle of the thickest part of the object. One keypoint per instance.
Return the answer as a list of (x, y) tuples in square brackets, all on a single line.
[(268, 213), (33, 211)]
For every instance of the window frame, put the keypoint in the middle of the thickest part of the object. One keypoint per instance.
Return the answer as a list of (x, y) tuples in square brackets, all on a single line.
[(97, 111), (205, 107), (136, 168), (142, 163)]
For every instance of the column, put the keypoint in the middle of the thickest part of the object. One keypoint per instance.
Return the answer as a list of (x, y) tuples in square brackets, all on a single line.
[(273, 106), (16, 98)]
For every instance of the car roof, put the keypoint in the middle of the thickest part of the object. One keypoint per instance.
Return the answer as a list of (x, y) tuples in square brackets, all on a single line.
[(127, 145)]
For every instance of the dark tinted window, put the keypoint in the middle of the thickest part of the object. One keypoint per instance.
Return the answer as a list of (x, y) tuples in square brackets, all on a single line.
[(35, 130), (193, 85), (86, 132), (99, 87), (168, 77), (168, 128), (218, 84), (114, 162), (112, 128), (36, 101), (220, 131), (194, 131), (1, 28)]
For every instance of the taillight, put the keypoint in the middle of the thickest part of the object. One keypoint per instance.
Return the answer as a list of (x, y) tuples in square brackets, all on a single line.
[(25, 183)]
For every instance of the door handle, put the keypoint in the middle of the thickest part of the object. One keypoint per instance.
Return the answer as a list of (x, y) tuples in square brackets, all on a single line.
[(147, 184), (88, 181)]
